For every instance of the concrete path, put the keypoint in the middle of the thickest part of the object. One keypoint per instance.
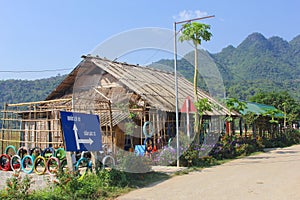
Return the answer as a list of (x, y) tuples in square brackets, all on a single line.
[(271, 175)]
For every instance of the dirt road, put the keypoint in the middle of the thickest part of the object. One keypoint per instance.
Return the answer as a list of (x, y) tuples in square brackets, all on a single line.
[(271, 175)]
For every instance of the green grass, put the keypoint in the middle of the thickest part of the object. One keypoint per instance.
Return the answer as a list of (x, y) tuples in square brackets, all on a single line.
[(146, 179)]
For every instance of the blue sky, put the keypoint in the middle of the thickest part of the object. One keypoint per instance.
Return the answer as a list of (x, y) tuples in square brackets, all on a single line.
[(52, 35)]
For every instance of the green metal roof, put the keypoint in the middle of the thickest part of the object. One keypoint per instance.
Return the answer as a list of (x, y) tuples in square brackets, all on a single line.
[(260, 109)]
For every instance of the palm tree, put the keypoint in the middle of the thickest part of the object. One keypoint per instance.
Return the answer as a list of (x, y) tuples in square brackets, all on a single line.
[(195, 32)]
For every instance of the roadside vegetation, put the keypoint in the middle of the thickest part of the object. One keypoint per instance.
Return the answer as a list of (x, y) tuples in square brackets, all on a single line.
[(105, 184), (109, 184)]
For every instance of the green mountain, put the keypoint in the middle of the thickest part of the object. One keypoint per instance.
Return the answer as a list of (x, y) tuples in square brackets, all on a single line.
[(261, 64), (257, 64), (17, 91)]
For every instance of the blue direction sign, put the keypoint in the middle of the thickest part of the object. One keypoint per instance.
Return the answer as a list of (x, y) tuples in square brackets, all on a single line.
[(81, 131)]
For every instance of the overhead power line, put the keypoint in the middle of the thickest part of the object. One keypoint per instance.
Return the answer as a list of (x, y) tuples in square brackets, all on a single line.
[(34, 71)]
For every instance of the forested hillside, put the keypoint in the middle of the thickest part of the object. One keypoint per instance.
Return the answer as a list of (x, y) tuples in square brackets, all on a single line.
[(257, 64), (16, 91), (261, 64)]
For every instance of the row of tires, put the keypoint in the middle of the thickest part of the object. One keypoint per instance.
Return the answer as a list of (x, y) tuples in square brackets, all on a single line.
[(41, 161), (33, 160), (36, 151)]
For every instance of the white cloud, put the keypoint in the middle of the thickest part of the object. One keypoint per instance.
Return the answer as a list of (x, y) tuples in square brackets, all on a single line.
[(189, 14)]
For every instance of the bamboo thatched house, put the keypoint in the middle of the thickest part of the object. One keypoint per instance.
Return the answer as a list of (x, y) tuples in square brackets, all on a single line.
[(119, 93)]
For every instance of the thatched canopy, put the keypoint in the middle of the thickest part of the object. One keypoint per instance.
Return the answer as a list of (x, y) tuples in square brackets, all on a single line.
[(154, 87)]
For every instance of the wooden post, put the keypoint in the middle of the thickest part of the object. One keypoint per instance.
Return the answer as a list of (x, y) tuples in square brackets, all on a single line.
[(154, 126), (95, 157), (141, 136), (233, 127), (254, 129), (70, 160), (240, 125), (50, 135), (227, 127), (22, 135), (111, 129), (34, 126), (158, 128), (142, 126), (4, 117)]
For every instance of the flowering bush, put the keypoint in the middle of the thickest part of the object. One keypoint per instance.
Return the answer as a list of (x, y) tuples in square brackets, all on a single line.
[(129, 162), (227, 147), (197, 155), (166, 156), (231, 147)]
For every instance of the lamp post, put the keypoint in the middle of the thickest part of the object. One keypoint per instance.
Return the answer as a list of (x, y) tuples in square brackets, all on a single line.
[(176, 80)]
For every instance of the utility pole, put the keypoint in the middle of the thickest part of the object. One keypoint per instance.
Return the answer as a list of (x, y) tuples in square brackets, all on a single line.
[(176, 79)]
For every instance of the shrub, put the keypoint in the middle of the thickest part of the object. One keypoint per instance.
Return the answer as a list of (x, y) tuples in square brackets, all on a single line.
[(132, 163), (207, 161), (17, 187), (92, 186), (197, 155), (224, 149), (228, 148), (245, 149), (286, 138), (113, 178), (166, 156)]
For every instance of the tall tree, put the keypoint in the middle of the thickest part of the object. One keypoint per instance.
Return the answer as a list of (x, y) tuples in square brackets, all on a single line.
[(195, 32)]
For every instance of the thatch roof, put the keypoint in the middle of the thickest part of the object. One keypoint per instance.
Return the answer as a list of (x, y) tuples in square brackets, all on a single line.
[(154, 86)]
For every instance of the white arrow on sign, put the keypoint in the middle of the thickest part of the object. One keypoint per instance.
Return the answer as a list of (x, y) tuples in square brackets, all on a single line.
[(82, 141)]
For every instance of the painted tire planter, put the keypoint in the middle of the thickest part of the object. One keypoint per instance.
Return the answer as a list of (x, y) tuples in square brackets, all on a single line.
[(12, 148), (108, 157), (60, 153), (169, 142), (63, 164), (84, 163), (151, 129), (53, 165), (35, 152), (15, 163), (27, 162), (5, 162), (80, 162), (48, 152), (39, 165), (22, 151)]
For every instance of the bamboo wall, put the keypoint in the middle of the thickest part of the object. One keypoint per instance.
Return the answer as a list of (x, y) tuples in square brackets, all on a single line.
[(37, 124)]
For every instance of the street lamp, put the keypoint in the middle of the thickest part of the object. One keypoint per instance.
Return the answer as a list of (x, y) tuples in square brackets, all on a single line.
[(176, 80)]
